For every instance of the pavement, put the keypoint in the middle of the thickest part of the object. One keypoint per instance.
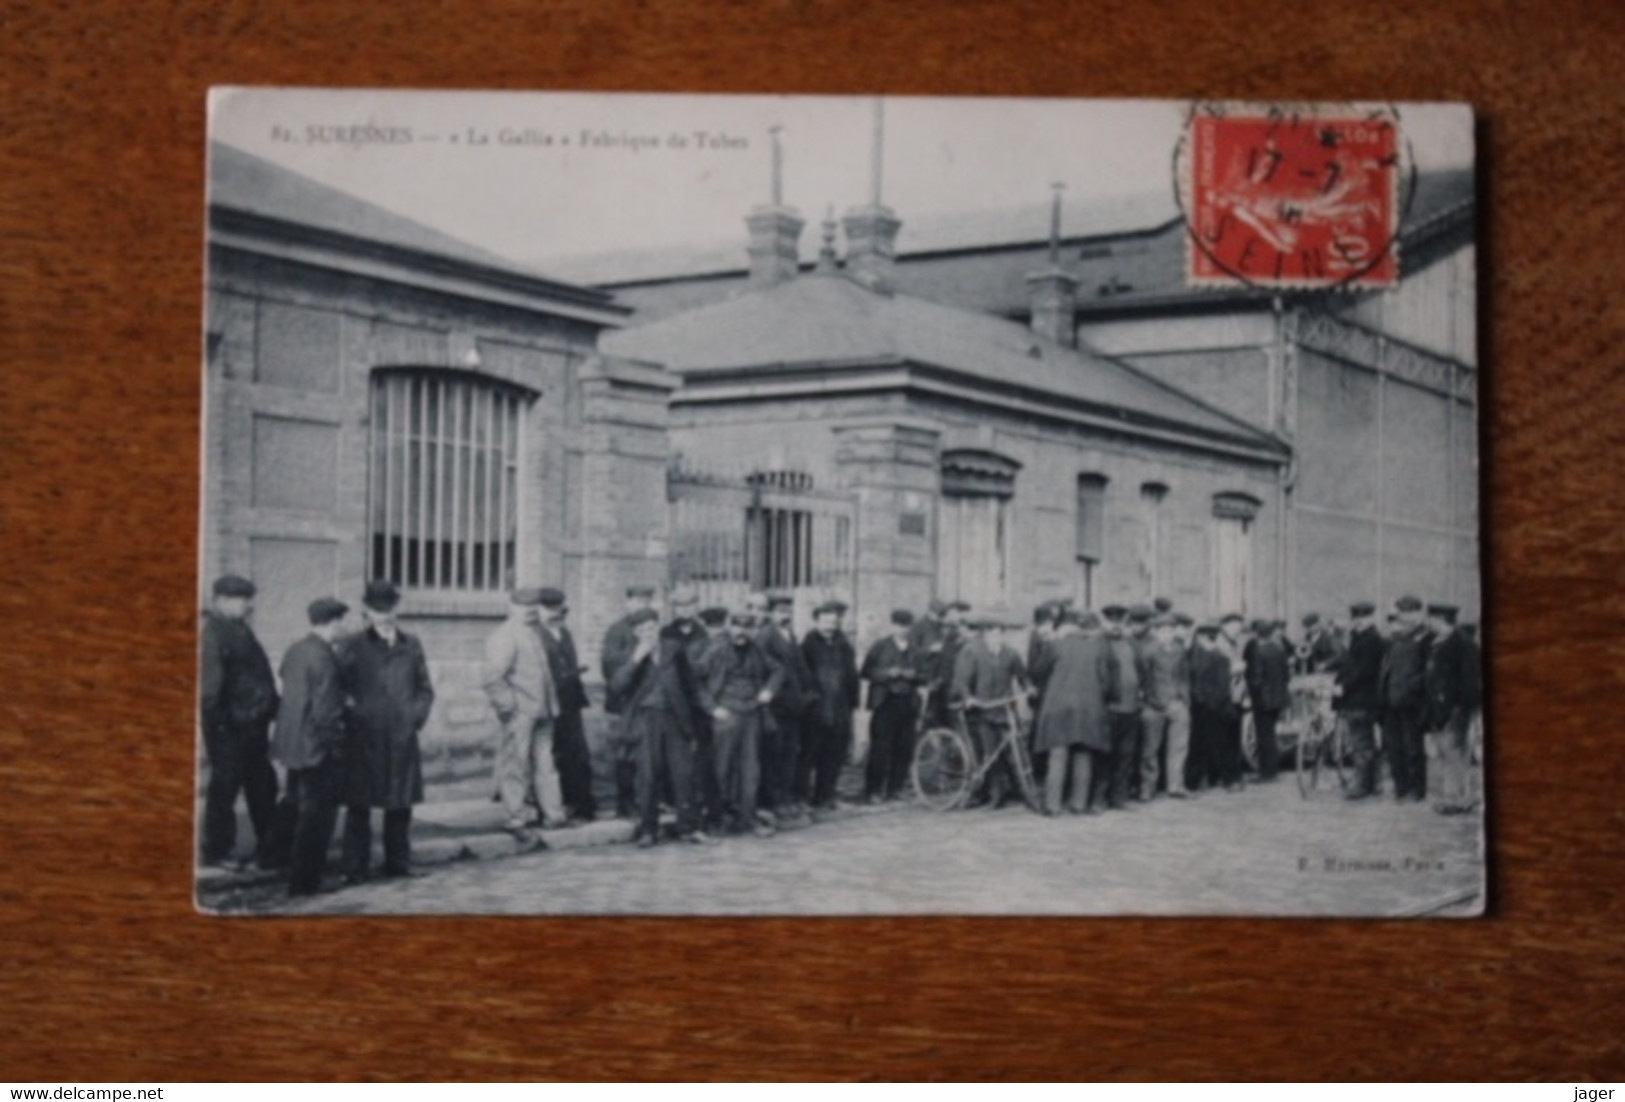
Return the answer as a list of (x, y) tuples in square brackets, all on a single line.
[(1263, 851)]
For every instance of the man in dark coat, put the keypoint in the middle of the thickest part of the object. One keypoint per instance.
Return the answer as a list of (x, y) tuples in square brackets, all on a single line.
[(659, 696), (828, 735), (309, 742), (688, 629), (782, 725), (988, 670), (1124, 710), (1358, 671), (936, 639), (619, 643), (1215, 717), (1454, 692), (1321, 651), (1073, 730), (387, 677), (892, 670), (1269, 676), (737, 683), (238, 700), (1402, 691), (570, 752)]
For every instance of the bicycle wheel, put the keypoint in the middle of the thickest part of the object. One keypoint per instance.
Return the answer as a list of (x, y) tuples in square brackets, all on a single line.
[(1308, 760), (1338, 752), (943, 768), (1021, 758)]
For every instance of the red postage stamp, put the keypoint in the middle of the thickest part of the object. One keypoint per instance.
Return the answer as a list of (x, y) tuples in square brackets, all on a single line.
[(1276, 198)]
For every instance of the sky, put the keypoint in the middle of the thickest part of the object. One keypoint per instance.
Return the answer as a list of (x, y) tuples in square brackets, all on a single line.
[(564, 175)]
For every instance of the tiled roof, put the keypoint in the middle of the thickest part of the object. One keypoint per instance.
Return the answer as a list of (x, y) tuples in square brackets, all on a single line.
[(240, 181), (827, 320)]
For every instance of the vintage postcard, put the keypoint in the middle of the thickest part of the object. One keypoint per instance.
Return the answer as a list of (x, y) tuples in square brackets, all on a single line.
[(714, 505)]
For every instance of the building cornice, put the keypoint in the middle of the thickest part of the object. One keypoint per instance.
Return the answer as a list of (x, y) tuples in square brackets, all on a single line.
[(292, 241)]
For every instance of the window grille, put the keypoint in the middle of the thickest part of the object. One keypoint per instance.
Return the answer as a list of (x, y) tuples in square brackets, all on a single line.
[(443, 492)]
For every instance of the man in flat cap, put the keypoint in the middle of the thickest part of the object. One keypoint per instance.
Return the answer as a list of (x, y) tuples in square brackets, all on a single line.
[(787, 712), (891, 667), (1123, 713), (519, 681), (737, 683), (695, 637), (988, 670), (828, 735), (1454, 680), (387, 676), (1046, 627), (309, 741), (1215, 715), (1358, 699), (1320, 651), (1164, 691), (570, 752), (237, 701), (936, 638), (1269, 675), (1402, 689), (659, 690), (619, 642), (1072, 730)]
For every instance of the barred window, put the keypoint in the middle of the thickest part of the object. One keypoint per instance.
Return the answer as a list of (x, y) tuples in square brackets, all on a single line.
[(444, 480)]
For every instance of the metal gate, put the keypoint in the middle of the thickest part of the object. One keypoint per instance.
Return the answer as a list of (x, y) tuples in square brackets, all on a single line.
[(732, 533)]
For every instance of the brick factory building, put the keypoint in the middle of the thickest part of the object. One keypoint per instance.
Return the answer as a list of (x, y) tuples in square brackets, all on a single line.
[(973, 407)]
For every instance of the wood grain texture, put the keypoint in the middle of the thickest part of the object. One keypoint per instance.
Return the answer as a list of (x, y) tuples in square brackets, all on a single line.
[(109, 974)]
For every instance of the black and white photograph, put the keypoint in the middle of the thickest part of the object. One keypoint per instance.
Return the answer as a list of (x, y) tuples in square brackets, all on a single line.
[(621, 504)]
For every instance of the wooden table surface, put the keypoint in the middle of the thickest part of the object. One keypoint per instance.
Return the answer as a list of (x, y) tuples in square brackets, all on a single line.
[(108, 974)]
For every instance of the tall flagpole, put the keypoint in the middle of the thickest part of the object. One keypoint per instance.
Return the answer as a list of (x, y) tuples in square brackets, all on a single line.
[(878, 154)]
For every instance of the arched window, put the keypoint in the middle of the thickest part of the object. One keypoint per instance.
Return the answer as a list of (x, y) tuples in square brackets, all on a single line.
[(443, 488), (973, 533)]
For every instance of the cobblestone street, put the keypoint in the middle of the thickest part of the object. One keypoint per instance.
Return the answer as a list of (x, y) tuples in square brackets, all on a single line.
[(1262, 851)]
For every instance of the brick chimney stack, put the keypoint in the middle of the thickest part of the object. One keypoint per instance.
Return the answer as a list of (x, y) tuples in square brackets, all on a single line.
[(1052, 290), (871, 244), (775, 231), (871, 230)]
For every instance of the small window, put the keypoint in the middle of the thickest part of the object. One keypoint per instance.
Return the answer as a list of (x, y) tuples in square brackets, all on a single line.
[(1091, 518), (444, 480)]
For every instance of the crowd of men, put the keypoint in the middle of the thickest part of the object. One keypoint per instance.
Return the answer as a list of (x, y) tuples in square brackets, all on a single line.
[(733, 723)]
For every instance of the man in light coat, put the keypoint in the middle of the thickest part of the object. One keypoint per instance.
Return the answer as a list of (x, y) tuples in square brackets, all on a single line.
[(519, 682)]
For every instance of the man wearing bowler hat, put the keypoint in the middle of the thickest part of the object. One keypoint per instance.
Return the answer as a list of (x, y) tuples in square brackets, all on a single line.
[(570, 751), (519, 680), (1403, 695), (237, 701), (1358, 700), (619, 643), (1454, 692), (309, 741), (387, 676)]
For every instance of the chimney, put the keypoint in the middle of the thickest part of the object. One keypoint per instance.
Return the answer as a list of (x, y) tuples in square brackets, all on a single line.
[(871, 231), (775, 231), (775, 252), (1052, 290), (871, 244)]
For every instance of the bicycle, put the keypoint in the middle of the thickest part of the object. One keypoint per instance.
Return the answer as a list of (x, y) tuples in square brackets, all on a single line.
[(946, 768), (1322, 742)]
